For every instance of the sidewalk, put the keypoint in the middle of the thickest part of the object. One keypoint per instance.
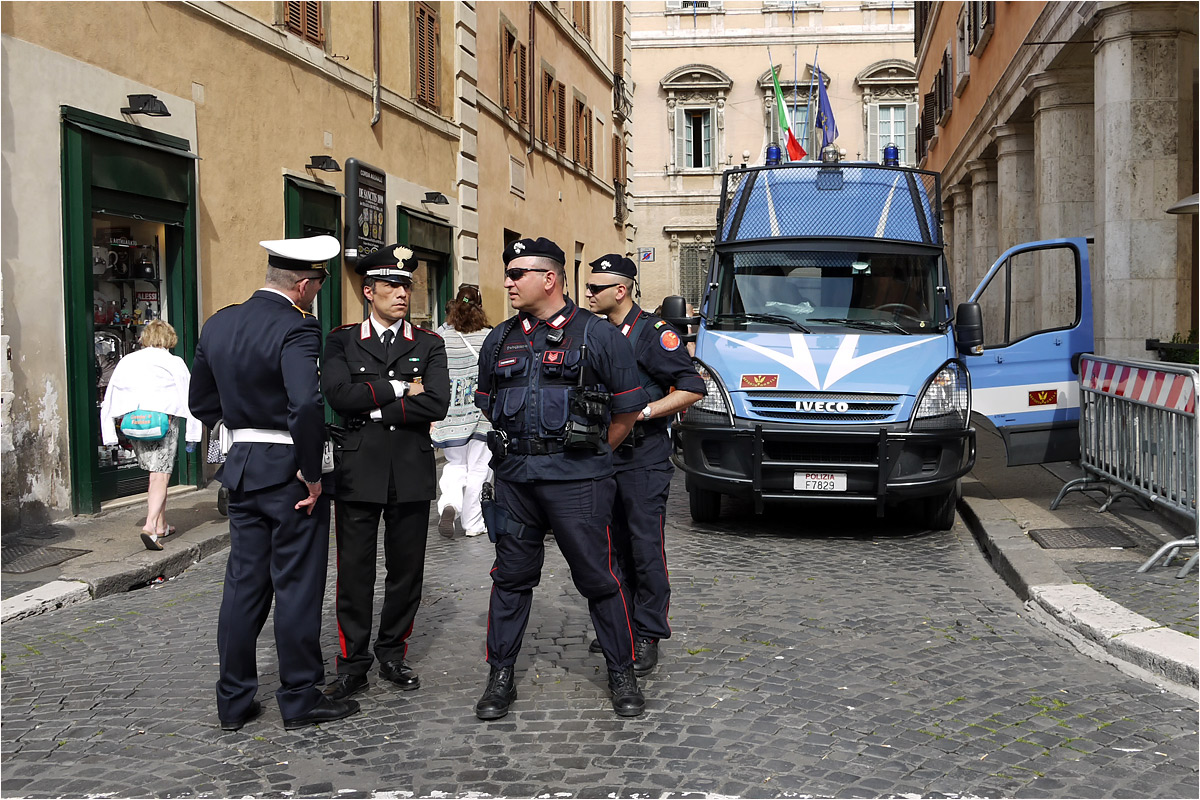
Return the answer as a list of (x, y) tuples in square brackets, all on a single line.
[(1143, 623)]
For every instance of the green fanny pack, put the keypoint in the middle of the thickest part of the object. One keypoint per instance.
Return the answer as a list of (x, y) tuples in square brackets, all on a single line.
[(146, 426)]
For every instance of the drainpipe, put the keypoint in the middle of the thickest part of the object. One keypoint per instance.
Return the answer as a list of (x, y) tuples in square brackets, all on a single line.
[(531, 73), (376, 89)]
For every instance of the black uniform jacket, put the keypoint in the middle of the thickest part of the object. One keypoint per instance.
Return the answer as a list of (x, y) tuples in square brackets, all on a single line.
[(663, 361), (256, 367), (355, 377)]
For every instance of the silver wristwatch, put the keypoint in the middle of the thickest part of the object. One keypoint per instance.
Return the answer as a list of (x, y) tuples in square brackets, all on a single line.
[(646, 412)]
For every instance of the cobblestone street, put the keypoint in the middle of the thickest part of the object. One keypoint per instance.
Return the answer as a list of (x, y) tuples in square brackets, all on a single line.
[(839, 657)]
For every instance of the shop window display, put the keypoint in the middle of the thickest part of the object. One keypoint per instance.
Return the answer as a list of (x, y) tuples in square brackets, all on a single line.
[(127, 293)]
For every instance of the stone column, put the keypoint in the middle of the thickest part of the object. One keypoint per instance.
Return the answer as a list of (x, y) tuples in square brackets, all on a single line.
[(1063, 140), (1014, 184), (984, 230), (961, 248), (1144, 60)]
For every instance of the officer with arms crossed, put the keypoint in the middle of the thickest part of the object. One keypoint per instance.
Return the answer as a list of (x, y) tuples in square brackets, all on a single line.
[(643, 460), (389, 379), (256, 368), (560, 388)]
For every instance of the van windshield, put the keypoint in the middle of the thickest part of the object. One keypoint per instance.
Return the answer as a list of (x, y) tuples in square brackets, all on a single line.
[(810, 289)]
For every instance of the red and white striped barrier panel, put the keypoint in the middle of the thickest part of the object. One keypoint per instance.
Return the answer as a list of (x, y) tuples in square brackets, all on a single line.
[(1171, 391)]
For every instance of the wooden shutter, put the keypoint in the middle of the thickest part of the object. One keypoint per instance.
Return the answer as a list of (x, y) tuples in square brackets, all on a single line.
[(618, 59), (560, 95), (304, 20), (522, 86), (426, 72), (928, 117), (576, 130), (875, 141), (549, 123), (681, 138), (581, 16), (616, 158), (506, 69), (589, 132)]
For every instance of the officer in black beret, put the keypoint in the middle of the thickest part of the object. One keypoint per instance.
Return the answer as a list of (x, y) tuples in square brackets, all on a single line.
[(561, 390), (256, 368), (643, 460), (389, 380)]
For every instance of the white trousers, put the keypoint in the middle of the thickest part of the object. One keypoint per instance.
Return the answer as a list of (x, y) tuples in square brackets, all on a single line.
[(462, 480)]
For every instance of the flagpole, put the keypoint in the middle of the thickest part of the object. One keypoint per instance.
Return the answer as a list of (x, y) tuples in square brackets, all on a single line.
[(808, 116), (795, 78)]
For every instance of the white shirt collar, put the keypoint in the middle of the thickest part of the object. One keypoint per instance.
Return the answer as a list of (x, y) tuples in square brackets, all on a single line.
[(281, 294), (377, 326)]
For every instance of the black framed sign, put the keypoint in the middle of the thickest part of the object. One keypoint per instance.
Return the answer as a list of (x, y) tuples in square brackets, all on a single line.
[(366, 201)]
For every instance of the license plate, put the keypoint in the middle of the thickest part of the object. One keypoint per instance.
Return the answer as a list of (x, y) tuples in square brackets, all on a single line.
[(820, 482)]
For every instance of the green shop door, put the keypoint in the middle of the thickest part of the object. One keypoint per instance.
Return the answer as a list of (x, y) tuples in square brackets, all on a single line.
[(129, 250), (311, 209), (431, 241)]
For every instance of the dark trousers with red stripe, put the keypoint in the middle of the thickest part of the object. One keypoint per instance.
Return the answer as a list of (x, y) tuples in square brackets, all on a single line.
[(637, 532), (578, 512), (405, 531)]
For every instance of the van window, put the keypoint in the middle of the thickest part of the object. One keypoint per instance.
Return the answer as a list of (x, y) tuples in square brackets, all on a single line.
[(1034, 291), (824, 287)]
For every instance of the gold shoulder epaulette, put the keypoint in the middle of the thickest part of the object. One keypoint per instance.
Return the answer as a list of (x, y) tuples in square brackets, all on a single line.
[(302, 311)]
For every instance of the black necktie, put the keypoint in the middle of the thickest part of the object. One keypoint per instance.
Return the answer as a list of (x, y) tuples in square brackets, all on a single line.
[(388, 335)]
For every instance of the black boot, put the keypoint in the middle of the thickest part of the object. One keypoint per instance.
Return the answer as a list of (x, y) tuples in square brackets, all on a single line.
[(498, 695), (627, 699), (645, 656)]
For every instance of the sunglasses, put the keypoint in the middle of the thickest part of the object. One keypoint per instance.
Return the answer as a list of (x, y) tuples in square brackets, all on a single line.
[(597, 288), (516, 273)]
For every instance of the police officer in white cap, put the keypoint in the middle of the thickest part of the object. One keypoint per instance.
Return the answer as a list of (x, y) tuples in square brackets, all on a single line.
[(256, 369)]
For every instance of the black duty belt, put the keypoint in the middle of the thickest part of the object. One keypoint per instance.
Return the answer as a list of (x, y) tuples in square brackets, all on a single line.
[(535, 447)]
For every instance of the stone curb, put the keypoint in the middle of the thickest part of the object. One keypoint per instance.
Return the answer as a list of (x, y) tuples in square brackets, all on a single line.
[(1079, 613), (105, 578)]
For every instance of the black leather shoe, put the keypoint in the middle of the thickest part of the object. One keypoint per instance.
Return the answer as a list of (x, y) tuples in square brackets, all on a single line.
[(344, 686), (326, 710), (498, 695), (401, 674), (627, 699), (594, 647), (236, 724), (645, 656)]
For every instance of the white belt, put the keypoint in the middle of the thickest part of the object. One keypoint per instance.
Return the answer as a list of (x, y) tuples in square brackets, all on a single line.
[(230, 436)]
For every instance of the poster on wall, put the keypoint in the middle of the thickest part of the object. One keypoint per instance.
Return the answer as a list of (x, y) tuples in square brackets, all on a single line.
[(366, 201)]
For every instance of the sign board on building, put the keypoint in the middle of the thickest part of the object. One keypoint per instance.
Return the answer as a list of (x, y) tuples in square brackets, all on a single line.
[(645, 254), (366, 208)]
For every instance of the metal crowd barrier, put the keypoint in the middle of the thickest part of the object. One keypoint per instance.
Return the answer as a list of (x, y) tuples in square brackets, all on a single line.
[(1137, 435)]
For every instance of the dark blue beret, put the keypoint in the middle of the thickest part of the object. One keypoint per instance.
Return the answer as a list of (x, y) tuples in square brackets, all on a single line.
[(530, 247), (615, 264)]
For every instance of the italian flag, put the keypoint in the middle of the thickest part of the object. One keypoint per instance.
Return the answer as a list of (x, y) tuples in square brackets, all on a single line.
[(794, 150)]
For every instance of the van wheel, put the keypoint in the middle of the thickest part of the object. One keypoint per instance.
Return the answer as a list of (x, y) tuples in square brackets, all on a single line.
[(704, 504), (939, 509)]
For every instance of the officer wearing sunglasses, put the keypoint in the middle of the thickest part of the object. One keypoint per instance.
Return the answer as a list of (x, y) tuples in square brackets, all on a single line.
[(643, 460), (561, 389)]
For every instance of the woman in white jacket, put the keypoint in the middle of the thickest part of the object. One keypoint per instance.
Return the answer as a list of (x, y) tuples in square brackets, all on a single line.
[(152, 379)]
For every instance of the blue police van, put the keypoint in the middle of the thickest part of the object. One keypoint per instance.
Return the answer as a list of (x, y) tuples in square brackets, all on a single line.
[(839, 369)]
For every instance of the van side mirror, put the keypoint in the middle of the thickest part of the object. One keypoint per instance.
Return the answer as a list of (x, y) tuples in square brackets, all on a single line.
[(968, 329), (674, 311)]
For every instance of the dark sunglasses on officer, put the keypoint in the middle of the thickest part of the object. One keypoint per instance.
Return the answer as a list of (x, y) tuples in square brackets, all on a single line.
[(596, 288), (516, 273)]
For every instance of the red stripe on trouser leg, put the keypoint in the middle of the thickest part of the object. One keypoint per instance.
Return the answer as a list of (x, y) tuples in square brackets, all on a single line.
[(337, 583), (620, 591)]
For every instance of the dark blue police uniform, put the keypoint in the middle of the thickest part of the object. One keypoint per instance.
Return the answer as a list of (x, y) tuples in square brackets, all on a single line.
[(255, 368), (643, 472), (530, 374)]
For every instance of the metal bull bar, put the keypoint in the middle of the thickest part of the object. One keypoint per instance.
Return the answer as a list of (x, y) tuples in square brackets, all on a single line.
[(1137, 434)]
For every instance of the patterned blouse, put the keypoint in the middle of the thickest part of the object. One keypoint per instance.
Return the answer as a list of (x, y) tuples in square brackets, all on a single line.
[(464, 421)]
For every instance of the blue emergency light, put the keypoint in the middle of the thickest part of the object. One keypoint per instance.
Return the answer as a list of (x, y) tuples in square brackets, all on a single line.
[(891, 156), (774, 155)]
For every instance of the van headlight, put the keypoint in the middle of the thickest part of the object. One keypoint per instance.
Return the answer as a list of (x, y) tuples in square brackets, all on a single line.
[(945, 402), (714, 408)]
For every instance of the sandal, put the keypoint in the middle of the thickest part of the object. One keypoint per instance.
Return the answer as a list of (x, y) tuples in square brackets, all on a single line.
[(170, 531), (151, 542)]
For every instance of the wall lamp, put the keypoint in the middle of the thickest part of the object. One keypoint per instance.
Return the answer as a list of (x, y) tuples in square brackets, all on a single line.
[(436, 198), (146, 104), (323, 163)]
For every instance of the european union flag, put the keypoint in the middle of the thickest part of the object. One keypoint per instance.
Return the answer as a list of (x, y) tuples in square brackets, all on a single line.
[(825, 121)]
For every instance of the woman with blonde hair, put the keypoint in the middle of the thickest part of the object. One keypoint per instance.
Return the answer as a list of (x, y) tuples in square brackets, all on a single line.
[(463, 433), (152, 379)]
